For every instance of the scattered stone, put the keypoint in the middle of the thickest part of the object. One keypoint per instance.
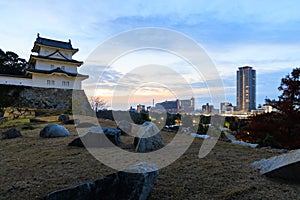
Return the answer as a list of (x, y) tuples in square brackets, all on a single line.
[(113, 135), (244, 143), (271, 149), (285, 166), (54, 130), (125, 127), (63, 118), (11, 133), (150, 138), (19, 113), (135, 183)]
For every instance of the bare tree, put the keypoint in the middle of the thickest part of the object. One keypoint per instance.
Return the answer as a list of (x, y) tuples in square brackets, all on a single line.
[(97, 103)]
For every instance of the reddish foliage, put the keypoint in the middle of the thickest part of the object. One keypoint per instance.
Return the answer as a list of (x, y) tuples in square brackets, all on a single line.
[(283, 129)]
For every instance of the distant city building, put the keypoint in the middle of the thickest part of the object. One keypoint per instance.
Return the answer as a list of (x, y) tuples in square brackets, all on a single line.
[(207, 108), (264, 109), (187, 106), (226, 107), (246, 89), (177, 106)]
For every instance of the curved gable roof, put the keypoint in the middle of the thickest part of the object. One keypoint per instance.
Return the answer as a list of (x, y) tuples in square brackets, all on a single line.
[(52, 43)]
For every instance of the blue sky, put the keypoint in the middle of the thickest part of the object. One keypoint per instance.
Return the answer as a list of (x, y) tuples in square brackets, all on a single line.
[(262, 34)]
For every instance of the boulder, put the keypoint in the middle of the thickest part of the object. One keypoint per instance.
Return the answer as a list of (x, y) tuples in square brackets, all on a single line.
[(94, 138), (63, 117), (149, 138), (113, 135), (124, 127), (135, 183), (54, 130), (11, 133), (285, 166)]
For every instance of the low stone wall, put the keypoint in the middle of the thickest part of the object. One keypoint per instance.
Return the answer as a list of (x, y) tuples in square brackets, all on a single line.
[(19, 113)]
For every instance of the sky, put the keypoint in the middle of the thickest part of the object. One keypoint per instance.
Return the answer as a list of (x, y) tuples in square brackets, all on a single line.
[(261, 34)]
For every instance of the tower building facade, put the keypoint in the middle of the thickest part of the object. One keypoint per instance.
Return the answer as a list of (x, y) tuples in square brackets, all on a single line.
[(246, 89)]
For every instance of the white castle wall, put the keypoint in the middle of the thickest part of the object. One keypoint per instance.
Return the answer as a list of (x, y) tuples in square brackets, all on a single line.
[(40, 80), (11, 80), (47, 66)]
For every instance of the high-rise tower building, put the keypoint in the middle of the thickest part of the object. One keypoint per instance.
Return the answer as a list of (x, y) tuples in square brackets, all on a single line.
[(246, 89)]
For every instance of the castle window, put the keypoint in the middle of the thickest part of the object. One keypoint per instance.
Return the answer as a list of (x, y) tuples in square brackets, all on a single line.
[(66, 83), (52, 66), (50, 82)]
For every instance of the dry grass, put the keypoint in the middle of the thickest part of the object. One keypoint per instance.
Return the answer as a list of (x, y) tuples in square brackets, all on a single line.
[(32, 167)]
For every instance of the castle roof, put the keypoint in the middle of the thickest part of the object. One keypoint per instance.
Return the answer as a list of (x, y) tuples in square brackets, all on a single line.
[(40, 41), (35, 57), (55, 71)]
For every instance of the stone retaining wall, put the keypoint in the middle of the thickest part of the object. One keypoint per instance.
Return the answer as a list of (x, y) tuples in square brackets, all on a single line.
[(34, 97)]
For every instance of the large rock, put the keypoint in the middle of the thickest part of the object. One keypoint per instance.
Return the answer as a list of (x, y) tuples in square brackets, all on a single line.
[(149, 138), (63, 118), (94, 138), (11, 133), (113, 135), (285, 166), (54, 130), (134, 184)]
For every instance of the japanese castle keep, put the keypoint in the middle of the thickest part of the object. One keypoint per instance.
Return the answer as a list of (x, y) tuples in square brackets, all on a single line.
[(50, 78)]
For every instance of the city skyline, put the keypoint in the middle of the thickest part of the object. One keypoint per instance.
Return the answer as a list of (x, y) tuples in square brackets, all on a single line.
[(259, 34)]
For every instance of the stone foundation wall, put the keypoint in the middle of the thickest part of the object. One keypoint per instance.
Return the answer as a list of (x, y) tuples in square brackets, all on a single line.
[(19, 113), (42, 98)]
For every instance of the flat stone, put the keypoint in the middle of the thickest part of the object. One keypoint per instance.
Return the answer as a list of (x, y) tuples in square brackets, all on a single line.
[(135, 183), (285, 166)]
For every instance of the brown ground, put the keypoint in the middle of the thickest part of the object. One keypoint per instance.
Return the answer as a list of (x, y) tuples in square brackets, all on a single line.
[(31, 167)]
